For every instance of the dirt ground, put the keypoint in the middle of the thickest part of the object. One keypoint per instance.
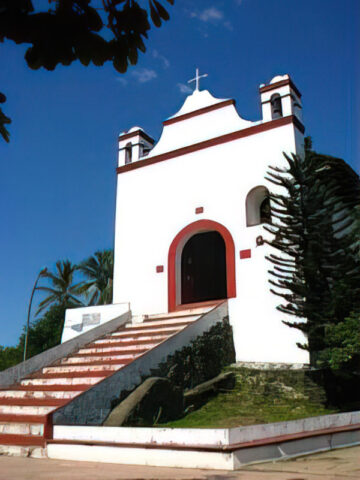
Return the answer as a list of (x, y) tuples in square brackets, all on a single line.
[(342, 464)]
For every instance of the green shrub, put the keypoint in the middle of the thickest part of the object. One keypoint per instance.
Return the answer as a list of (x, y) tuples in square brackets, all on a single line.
[(202, 360), (342, 345)]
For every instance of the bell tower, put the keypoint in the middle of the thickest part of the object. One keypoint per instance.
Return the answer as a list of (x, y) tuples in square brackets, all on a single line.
[(280, 98), (134, 145)]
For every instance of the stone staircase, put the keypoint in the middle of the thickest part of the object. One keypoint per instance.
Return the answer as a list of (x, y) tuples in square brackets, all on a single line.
[(25, 407)]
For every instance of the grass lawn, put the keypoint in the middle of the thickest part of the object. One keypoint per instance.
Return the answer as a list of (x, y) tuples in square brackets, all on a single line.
[(259, 397)]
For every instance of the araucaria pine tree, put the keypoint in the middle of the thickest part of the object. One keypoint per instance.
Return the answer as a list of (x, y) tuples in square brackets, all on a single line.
[(316, 269)]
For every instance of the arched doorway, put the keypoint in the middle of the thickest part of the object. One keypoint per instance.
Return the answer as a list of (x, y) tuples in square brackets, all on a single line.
[(201, 265), (203, 268)]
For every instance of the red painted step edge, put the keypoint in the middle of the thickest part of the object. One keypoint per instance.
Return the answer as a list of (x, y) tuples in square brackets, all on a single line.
[(107, 354), (141, 334), (52, 388), (128, 343), (101, 373), (22, 440), (172, 317), (148, 327), (38, 402), (97, 363)]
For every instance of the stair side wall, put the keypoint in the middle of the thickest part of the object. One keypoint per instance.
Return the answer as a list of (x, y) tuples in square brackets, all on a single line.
[(93, 406)]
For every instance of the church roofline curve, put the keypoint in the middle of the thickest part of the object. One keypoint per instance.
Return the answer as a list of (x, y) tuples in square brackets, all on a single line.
[(200, 111), (262, 127)]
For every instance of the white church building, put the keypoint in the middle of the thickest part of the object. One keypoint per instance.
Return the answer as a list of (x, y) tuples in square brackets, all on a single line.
[(189, 252), (190, 210)]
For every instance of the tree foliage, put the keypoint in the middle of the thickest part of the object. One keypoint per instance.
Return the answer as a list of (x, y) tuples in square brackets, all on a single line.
[(316, 270), (342, 344), (9, 356), (91, 31), (4, 120), (45, 332), (98, 269), (63, 291)]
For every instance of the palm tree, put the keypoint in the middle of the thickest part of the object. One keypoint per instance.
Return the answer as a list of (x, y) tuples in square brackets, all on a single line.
[(63, 291), (98, 269)]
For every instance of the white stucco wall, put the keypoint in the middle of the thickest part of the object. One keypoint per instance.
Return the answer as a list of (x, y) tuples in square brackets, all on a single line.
[(157, 201), (80, 320)]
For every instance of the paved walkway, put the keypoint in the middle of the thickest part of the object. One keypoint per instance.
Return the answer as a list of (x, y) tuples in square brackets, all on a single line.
[(343, 464)]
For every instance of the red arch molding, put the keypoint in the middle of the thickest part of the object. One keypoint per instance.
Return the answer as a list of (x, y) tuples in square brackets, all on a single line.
[(188, 231)]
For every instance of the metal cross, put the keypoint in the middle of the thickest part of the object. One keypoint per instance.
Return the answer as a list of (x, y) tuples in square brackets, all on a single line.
[(197, 78)]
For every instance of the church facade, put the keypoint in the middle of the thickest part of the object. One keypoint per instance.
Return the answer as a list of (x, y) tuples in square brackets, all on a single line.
[(190, 211)]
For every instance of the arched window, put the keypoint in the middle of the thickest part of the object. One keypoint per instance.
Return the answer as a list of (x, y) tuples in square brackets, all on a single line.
[(265, 210), (296, 105), (258, 206), (276, 107), (128, 153)]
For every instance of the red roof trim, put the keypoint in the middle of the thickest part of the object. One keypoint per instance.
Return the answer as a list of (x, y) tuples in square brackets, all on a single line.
[(210, 108), (263, 127)]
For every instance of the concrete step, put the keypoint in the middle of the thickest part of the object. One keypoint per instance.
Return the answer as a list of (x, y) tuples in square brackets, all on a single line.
[(82, 368), (136, 340), (99, 360), (111, 350), (52, 382), (146, 333), (121, 357), (174, 322), (25, 410), (17, 428), (23, 451), (37, 394), (190, 312), (123, 344)]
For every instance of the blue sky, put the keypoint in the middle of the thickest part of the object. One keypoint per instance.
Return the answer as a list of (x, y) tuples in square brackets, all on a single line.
[(57, 180)]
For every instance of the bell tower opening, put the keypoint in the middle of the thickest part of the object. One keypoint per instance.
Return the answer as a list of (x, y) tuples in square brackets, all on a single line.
[(203, 268)]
